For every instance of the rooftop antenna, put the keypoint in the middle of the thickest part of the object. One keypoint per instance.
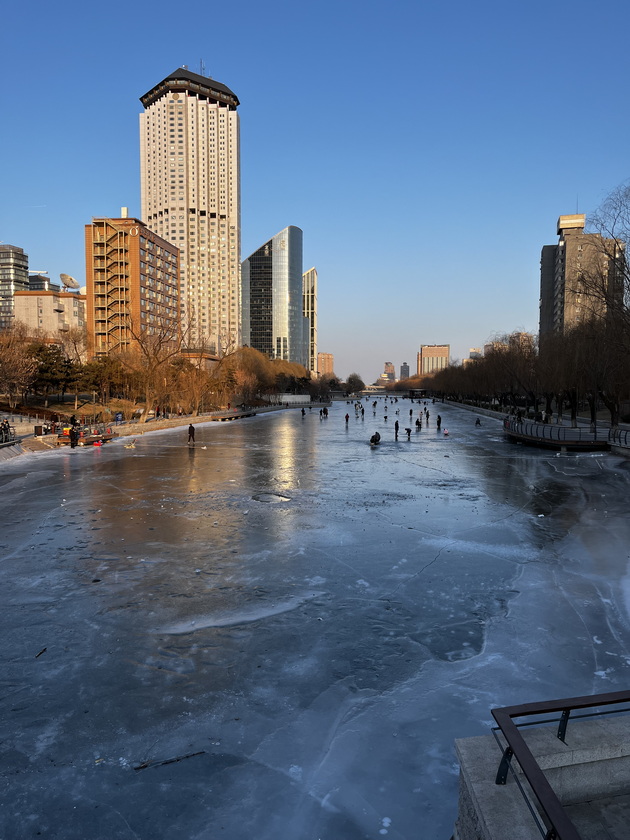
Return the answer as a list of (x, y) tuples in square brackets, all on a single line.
[(202, 67)]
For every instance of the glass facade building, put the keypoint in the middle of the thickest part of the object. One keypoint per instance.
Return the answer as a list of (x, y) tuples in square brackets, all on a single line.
[(271, 284), (309, 310)]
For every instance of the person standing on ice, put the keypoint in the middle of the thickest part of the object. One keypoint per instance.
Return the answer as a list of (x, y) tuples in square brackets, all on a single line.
[(191, 434)]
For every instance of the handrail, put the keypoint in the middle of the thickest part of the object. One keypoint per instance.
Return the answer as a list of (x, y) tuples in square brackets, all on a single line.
[(561, 826), (619, 437), (551, 432)]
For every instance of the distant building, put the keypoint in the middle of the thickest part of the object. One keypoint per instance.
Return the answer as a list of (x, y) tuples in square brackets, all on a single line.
[(389, 372), (433, 357), (309, 310), (42, 283), (13, 278), (475, 353), (493, 346), (50, 311), (567, 269), (272, 299), (404, 371), (132, 284), (325, 364), (190, 190)]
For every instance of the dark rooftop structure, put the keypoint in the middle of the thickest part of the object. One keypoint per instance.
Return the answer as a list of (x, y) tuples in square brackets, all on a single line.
[(184, 81)]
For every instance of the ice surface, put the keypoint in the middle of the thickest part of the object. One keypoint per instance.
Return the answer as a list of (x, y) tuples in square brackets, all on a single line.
[(280, 632)]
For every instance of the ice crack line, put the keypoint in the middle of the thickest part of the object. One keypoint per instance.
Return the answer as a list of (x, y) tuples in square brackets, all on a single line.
[(423, 569)]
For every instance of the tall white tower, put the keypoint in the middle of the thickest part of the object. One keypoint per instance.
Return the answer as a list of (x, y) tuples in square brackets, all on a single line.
[(190, 191)]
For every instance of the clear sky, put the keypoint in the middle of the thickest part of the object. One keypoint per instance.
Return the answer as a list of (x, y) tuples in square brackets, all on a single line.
[(425, 149)]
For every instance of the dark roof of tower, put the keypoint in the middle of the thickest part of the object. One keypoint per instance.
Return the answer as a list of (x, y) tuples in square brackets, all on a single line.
[(183, 80)]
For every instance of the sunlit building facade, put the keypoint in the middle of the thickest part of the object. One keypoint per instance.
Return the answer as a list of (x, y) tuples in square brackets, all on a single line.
[(132, 285), (50, 311), (273, 319), (325, 364), (190, 191), (570, 270), (309, 310), (433, 357), (389, 372)]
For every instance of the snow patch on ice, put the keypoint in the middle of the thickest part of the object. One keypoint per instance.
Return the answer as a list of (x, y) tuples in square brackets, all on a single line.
[(246, 615)]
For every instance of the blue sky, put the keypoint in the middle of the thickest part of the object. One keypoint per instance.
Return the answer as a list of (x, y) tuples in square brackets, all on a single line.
[(426, 150)]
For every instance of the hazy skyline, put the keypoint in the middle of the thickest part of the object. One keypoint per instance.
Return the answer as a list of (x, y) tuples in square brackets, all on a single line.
[(426, 152)]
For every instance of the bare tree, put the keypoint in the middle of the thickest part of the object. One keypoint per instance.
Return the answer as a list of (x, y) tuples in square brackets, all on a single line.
[(18, 366)]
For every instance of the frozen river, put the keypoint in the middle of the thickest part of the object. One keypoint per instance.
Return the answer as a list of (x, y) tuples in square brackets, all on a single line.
[(278, 634)]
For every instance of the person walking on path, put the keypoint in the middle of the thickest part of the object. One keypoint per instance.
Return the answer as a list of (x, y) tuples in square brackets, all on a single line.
[(191, 435)]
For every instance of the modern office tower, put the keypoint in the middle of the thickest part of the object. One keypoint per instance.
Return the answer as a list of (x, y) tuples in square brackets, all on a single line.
[(13, 278), (433, 357), (51, 311), (132, 284), (309, 310), (273, 320), (389, 372), (568, 271), (404, 371), (325, 364), (190, 186)]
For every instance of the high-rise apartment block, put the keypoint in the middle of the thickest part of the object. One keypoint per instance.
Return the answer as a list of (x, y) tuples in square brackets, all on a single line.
[(325, 364), (433, 357), (309, 310), (132, 284), (190, 191), (13, 278), (578, 277), (404, 371), (272, 296)]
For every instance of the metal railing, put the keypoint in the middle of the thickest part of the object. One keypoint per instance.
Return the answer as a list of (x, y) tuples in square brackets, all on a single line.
[(552, 432), (619, 437), (557, 826)]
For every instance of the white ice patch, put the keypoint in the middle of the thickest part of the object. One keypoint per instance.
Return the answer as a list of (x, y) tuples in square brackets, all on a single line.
[(254, 612)]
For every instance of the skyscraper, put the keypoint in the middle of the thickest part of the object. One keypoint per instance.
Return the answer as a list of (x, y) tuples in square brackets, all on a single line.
[(190, 189), (570, 270), (273, 319), (309, 309)]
